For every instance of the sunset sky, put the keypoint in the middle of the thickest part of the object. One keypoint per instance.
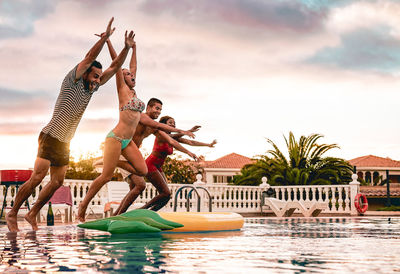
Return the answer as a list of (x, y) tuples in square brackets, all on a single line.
[(245, 70)]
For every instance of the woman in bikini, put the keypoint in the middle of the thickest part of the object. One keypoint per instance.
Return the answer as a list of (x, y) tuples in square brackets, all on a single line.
[(164, 145), (119, 139)]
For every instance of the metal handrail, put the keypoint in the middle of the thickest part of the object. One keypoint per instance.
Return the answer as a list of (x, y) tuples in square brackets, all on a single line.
[(187, 205), (208, 193)]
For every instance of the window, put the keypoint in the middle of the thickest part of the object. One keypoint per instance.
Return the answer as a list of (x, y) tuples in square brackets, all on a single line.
[(220, 179), (368, 177)]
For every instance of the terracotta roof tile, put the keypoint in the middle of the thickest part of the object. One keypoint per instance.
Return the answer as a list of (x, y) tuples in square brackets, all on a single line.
[(379, 191), (232, 160), (374, 161)]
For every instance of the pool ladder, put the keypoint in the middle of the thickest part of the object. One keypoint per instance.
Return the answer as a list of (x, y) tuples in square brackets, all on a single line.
[(189, 195)]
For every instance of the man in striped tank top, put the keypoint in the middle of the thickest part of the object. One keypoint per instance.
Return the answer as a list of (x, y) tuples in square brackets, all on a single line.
[(53, 152)]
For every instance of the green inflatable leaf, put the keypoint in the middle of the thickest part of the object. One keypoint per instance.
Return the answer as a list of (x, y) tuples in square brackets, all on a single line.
[(151, 214), (141, 220), (101, 224), (149, 221), (123, 227)]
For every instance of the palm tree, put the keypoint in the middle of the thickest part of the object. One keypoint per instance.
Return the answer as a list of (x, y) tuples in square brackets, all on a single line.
[(304, 166), (251, 174)]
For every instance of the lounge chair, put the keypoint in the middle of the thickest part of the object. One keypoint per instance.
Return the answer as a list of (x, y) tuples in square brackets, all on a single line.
[(312, 208), (287, 208), (281, 208)]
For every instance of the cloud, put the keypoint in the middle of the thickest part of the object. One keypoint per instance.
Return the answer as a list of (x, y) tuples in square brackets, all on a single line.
[(20, 128), (238, 15), (23, 104), (27, 112), (324, 4), (372, 49), (17, 18), (23, 127)]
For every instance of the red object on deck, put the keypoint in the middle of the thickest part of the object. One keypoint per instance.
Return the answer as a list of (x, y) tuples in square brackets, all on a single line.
[(62, 196), (15, 175)]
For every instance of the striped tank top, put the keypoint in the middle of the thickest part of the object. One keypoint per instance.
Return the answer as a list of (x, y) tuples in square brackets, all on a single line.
[(70, 105)]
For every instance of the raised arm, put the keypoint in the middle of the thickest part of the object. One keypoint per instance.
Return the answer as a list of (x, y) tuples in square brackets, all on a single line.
[(195, 143), (94, 52), (178, 135), (162, 136), (111, 49), (119, 60), (133, 62), (147, 121)]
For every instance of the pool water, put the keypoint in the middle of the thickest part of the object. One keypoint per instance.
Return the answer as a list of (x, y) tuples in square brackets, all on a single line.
[(268, 245)]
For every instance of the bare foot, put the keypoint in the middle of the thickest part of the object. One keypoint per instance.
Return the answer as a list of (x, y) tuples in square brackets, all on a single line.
[(12, 222), (81, 214), (32, 220)]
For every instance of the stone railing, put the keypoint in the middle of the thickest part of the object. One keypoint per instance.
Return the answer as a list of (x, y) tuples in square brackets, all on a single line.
[(241, 199), (340, 198)]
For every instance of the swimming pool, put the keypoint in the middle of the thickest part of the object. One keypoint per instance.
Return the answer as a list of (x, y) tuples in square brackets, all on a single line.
[(263, 245)]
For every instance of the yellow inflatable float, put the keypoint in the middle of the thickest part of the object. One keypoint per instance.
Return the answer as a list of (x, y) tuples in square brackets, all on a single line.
[(204, 221), (147, 221)]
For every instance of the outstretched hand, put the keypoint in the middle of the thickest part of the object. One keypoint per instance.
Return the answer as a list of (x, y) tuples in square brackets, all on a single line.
[(195, 128), (193, 156), (102, 35), (129, 39), (189, 133), (212, 143), (109, 30)]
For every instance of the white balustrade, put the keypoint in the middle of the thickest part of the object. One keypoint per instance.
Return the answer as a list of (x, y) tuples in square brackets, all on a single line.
[(354, 190), (225, 198)]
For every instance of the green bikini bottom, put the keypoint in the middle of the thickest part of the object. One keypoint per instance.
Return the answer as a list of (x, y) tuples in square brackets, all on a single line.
[(124, 142)]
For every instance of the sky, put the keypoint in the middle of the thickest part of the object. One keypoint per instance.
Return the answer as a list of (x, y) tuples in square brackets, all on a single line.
[(245, 70)]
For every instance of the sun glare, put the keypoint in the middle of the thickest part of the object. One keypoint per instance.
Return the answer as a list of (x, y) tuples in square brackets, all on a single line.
[(84, 144)]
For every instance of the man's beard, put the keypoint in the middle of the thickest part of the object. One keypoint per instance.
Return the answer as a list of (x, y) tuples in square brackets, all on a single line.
[(86, 83)]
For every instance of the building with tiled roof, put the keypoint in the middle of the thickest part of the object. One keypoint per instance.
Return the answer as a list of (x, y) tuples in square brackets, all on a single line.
[(380, 191), (373, 168), (223, 169), (376, 162)]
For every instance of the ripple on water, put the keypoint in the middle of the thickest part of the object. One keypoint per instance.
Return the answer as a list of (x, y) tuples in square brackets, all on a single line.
[(269, 244)]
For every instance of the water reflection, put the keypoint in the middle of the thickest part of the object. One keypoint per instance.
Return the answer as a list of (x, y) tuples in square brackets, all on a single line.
[(329, 227), (76, 250), (134, 252), (264, 245), (25, 251)]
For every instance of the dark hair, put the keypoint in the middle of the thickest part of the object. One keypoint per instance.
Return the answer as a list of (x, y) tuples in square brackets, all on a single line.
[(94, 64), (153, 101), (164, 119)]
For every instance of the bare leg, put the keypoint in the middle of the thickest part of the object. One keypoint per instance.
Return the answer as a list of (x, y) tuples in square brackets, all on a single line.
[(123, 164), (133, 155), (127, 166), (135, 158), (164, 194), (112, 151), (139, 186), (57, 175), (131, 186), (39, 171)]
